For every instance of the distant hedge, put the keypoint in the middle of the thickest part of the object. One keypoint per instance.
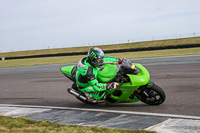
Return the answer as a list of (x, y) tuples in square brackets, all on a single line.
[(107, 51)]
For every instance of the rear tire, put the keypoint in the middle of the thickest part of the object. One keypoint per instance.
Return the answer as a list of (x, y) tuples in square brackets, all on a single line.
[(151, 95)]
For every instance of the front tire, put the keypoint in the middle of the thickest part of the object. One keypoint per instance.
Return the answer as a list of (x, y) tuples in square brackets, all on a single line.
[(153, 95)]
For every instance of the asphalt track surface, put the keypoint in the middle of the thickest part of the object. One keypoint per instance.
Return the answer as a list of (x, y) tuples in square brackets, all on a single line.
[(45, 85)]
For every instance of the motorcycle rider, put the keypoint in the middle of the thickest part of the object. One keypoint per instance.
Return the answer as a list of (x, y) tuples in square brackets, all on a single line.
[(87, 70)]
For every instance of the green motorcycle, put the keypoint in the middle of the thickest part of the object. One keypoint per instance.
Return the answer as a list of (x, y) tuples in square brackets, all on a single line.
[(134, 84)]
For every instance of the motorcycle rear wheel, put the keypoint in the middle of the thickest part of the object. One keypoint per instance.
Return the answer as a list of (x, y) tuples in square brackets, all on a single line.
[(152, 95)]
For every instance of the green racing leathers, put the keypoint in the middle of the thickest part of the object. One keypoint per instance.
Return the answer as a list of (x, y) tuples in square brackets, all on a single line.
[(86, 77)]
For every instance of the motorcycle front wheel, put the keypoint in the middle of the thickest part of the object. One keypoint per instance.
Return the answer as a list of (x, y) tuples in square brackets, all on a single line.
[(151, 95)]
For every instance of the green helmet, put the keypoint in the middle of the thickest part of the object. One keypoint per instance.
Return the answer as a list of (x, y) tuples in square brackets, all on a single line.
[(95, 57)]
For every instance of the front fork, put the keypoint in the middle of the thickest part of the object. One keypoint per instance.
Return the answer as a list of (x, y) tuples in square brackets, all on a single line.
[(148, 85)]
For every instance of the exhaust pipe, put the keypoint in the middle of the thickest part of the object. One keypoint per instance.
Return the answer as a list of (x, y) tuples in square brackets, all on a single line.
[(76, 94)]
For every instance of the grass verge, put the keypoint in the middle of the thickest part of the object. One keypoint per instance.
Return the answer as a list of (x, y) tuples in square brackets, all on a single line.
[(71, 59), (25, 125), (180, 41)]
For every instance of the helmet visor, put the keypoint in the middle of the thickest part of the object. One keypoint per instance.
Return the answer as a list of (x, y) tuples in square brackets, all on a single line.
[(98, 61)]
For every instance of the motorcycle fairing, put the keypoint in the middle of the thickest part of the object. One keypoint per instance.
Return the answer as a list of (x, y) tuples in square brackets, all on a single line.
[(107, 74), (70, 72), (142, 78)]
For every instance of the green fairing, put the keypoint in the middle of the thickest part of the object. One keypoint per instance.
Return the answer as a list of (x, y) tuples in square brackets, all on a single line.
[(141, 78), (67, 70), (107, 74), (127, 89)]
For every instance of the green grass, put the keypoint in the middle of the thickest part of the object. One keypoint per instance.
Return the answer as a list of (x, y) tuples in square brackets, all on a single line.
[(25, 125), (72, 59), (192, 40)]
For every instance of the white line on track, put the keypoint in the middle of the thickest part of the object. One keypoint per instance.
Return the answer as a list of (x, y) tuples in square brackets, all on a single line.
[(107, 111)]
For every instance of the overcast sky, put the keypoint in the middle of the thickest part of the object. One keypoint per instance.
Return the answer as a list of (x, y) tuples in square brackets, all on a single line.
[(42, 24)]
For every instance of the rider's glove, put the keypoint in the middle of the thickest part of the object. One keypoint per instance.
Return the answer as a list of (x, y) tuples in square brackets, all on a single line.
[(112, 85), (119, 61)]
